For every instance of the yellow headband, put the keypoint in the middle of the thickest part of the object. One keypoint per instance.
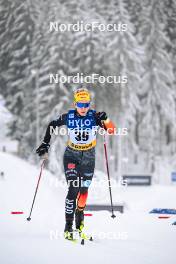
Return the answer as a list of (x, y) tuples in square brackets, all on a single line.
[(82, 96)]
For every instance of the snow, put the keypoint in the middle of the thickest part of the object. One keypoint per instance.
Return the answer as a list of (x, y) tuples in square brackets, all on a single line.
[(138, 236), (5, 117), (6, 143)]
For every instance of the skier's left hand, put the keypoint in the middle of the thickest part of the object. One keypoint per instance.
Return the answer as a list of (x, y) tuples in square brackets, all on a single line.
[(102, 116)]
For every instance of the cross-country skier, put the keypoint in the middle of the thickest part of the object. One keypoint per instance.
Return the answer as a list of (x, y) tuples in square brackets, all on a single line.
[(79, 157)]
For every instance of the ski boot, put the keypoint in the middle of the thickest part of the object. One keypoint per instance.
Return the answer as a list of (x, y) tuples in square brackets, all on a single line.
[(79, 221), (68, 231)]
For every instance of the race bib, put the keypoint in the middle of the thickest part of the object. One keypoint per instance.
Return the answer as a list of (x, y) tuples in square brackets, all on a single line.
[(82, 131)]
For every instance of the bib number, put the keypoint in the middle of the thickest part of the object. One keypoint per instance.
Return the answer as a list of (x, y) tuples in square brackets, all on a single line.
[(81, 135)]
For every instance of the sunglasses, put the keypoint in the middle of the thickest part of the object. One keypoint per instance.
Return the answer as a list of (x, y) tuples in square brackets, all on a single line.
[(82, 105)]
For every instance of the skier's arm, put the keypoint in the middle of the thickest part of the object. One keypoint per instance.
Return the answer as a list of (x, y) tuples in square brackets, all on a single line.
[(103, 121), (43, 148), (53, 124)]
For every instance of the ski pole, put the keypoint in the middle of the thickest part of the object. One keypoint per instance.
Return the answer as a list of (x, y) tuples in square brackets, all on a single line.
[(41, 170), (109, 181)]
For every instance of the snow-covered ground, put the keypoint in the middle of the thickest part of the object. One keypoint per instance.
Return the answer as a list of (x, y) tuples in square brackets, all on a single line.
[(133, 237)]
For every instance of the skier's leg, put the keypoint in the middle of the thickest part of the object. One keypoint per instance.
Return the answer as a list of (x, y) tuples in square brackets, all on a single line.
[(82, 198), (87, 171), (81, 204), (71, 173), (70, 201)]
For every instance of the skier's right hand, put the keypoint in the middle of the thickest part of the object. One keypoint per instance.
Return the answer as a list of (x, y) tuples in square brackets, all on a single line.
[(42, 149)]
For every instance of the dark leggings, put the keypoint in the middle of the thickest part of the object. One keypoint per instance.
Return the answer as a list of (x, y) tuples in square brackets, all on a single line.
[(79, 169)]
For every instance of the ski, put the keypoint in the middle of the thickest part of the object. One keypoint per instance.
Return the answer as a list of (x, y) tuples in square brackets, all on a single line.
[(84, 237), (72, 240), (76, 236)]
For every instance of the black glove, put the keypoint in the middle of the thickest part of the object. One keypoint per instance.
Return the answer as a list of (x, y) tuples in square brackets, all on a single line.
[(42, 149), (102, 116)]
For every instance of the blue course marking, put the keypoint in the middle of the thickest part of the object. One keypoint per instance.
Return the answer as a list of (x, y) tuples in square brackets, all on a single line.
[(163, 211)]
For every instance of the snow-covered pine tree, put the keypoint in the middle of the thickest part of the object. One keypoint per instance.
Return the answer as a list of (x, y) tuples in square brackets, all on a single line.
[(124, 57), (17, 32), (170, 28), (157, 81)]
